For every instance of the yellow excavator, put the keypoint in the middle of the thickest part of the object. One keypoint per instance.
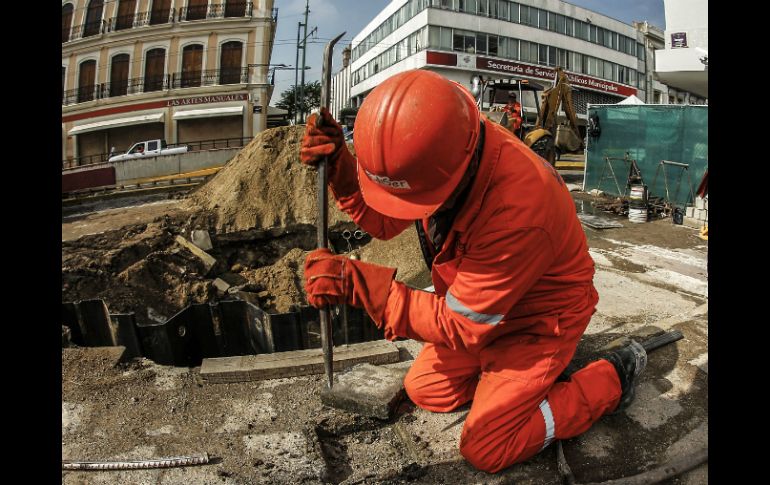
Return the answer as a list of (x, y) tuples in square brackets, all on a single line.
[(539, 137)]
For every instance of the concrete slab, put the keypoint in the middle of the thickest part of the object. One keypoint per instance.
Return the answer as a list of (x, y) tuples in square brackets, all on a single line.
[(221, 285), (207, 260), (367, 390), (201, 239), (598, 222), (295, 362)]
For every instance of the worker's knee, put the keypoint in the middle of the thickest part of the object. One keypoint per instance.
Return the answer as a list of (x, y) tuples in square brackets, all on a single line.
[(421, 390), (479, 454), (490, 452), (432, 392)]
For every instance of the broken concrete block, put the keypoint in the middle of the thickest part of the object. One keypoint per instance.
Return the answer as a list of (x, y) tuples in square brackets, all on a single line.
[(367, 390), (596, 192), (221, 285), (207, 260), (201, 239), (699, 203), (690, 212), (598, 222)]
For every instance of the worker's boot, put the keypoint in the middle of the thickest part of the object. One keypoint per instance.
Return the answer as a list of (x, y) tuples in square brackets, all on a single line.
[(629, 363)]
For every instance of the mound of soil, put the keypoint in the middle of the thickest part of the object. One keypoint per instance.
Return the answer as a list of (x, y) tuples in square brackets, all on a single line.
[(260, 211), (265, 186)]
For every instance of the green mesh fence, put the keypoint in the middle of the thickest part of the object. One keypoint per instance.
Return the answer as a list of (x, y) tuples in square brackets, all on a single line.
[(649, 134)]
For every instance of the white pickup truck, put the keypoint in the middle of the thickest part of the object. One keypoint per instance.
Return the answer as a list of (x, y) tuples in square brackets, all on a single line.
[(149, 148)]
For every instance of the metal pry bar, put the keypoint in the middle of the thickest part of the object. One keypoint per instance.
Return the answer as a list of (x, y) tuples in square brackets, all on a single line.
[(325, 321)]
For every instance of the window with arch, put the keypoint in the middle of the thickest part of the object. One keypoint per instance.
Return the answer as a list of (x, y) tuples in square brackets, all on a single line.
[(192, 65), (119, 75), (93, 23), (125, 16), (230, 63), (235, 8), (154, 67), (66, 21), (161, 12), (196, 9), (86, 81)]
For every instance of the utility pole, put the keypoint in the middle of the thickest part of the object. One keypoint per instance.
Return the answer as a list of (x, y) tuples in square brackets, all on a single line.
[(296, 72), (299, 89), (304, 50)]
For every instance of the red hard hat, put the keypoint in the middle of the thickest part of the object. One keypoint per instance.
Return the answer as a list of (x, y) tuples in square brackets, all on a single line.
[(414, 137)]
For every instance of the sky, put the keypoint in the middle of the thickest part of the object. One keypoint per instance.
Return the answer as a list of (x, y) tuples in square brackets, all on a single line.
[(332, 17)]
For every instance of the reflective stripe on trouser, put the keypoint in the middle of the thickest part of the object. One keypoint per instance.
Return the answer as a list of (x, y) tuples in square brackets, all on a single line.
[(550, 426), (506, 423)]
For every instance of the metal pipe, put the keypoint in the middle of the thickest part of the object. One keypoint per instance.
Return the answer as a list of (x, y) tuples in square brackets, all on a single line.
[(136, 464)]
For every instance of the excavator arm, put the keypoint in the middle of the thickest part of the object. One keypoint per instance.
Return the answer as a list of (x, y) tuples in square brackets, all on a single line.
[(542, 138)]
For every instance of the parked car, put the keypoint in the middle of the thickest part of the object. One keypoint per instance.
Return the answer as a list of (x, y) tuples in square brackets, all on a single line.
[(149, 148)]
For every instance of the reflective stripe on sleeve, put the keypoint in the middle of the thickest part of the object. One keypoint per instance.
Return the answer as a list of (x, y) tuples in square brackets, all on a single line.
[(477, 317)]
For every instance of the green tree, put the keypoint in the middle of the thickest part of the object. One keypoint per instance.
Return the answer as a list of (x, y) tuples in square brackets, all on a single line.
[(310, 100)]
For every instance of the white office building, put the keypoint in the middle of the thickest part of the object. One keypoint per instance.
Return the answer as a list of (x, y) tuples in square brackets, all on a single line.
[(604, 58), (683, 63)]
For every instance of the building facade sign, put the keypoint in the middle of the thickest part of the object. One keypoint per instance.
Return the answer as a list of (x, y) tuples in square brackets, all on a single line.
[(528, 70), (219, 98), (466, 60), (678, 39), (542, 72)]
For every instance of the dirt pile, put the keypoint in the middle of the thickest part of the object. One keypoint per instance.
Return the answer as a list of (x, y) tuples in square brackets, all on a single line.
[(283, 280), (260, 211), (402, 252), (264, 186)]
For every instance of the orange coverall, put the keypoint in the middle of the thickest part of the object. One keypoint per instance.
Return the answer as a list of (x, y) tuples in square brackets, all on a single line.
[(513, 295), (514, 111)]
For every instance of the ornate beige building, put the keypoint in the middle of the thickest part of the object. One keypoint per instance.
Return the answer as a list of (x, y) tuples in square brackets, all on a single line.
[(183, 70)]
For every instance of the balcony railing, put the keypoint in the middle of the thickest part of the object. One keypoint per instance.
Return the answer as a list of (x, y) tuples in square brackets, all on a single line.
[(190, 79), (196, 12), (162, 16), (238, 75), (238, 9), (231, 10), (127, 21), (158, 17), (84, 30)]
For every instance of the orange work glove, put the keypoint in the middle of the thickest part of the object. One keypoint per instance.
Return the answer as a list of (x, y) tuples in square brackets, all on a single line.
[(328, 141), (331, 279)]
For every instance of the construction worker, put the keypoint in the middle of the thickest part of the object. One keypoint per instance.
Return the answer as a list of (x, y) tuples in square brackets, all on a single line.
[(508, 258), (513, 108)]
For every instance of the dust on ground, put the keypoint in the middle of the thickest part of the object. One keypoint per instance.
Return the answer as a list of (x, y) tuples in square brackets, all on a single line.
[(277, 431)]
